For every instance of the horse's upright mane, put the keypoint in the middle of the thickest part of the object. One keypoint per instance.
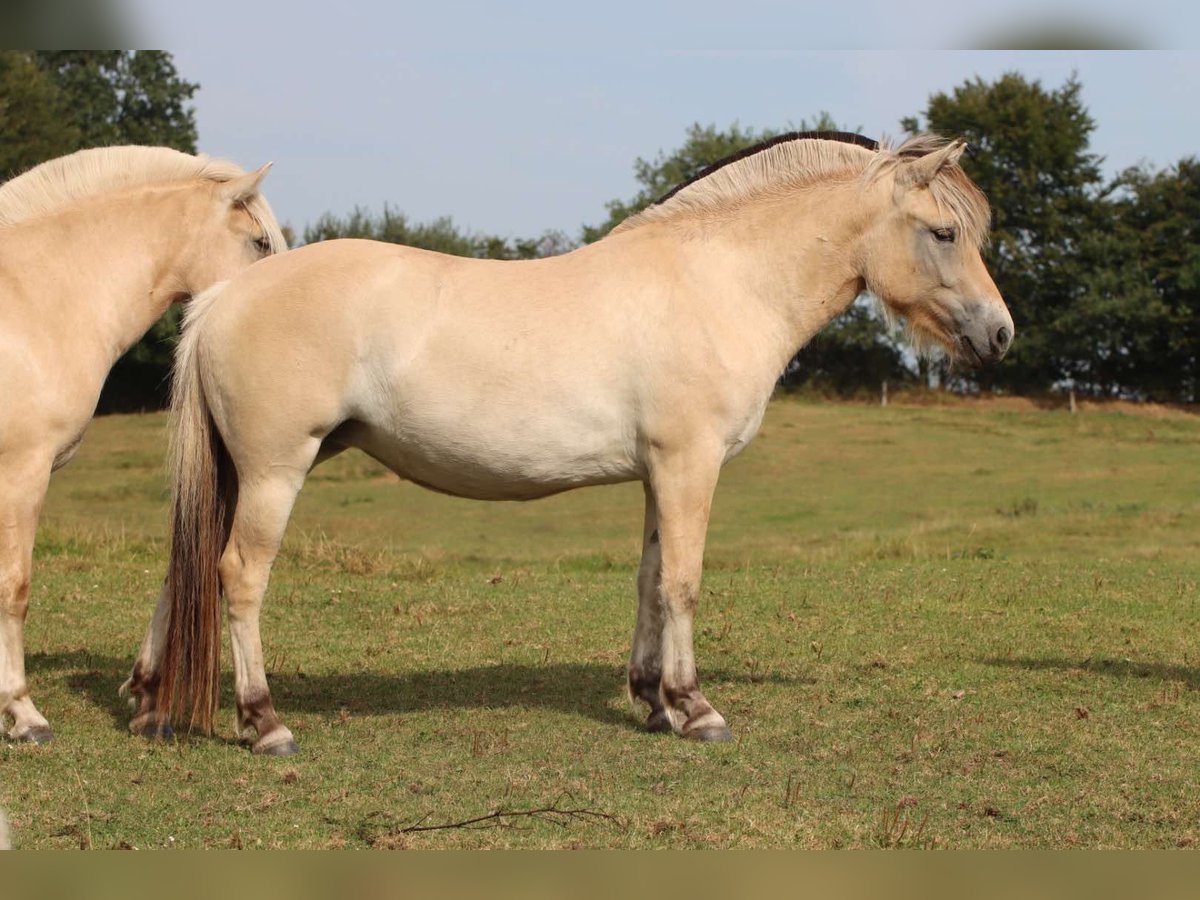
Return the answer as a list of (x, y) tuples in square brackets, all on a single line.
[(790, 160), (54, 185), (845, 137)]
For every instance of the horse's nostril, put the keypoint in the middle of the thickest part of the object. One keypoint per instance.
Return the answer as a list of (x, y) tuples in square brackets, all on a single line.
[(1002, 337)]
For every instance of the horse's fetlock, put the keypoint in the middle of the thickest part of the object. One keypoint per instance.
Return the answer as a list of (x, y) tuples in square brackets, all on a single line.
[(256, 713), (680, 696), (644, 684)]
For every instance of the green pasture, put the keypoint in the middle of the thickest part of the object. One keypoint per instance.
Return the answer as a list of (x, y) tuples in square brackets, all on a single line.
[(926, 626)]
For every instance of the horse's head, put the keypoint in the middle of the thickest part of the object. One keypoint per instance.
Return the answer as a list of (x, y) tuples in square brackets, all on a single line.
[(921, 257), (231, 227)]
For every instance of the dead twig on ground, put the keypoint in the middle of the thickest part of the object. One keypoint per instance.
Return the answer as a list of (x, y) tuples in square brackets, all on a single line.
[(555, 813)]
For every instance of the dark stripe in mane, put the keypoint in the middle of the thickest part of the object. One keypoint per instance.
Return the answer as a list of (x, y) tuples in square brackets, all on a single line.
[(845, 137)]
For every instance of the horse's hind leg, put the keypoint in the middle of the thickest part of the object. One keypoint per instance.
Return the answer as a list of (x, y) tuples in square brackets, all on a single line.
[(142, 682), (141, 687), (22, 490), (645, 659), (683, 485), (265, 497)]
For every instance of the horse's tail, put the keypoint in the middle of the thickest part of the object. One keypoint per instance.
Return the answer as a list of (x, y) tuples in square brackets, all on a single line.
[(204, 484)]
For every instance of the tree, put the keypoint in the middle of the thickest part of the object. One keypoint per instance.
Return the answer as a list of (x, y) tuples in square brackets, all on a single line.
[(1030, 154), (440, 235), (124, 96), (35, 117), (1150, 260), (54, 102)]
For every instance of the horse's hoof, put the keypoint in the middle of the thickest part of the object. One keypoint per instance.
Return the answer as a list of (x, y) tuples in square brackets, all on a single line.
[(147, 725), (286, 747), (712, 734), (156, 731), (39, 734), (658, 723)]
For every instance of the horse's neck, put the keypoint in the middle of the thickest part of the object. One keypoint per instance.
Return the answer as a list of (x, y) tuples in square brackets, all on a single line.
[(796, 261), (116, 267)]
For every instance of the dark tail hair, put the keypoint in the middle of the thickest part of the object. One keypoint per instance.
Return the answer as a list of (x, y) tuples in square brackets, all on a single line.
[(204, 486)]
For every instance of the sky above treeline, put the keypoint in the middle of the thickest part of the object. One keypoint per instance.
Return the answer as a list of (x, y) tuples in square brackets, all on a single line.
[(514, 119)]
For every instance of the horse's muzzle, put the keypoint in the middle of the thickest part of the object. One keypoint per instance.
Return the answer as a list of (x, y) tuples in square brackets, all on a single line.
[(985, 333)]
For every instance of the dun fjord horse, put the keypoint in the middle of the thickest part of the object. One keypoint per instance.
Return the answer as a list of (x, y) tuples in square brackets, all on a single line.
[(647, 356), (96, 245)]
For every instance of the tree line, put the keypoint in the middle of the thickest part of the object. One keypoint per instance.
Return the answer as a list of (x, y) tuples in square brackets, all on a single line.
[(1102, 274)]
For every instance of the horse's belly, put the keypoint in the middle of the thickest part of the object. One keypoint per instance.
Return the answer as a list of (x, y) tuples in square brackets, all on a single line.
[(513, 464)]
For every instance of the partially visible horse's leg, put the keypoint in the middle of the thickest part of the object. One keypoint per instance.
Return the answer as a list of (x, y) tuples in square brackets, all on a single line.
[(23, 485), (683, 485), (141, 686), (265, 497), (645, 659)]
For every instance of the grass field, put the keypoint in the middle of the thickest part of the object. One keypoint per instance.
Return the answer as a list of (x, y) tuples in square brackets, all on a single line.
[(952, 627)]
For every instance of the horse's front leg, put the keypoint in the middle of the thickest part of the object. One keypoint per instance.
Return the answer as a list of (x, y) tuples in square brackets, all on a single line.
[(683, 483), (645, 659), (23, 485)]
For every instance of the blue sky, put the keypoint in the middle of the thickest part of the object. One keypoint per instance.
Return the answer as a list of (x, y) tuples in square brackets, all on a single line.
[(530, 118)]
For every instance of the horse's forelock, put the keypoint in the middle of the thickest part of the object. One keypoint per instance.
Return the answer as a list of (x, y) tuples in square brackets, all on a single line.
[(951, 187), (260, 211)]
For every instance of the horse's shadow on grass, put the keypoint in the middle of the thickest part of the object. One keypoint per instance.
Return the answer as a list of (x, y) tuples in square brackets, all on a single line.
[(1113, 668), (570, 687)]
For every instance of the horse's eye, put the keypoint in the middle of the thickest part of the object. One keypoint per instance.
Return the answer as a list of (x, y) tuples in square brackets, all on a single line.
[(945, 235), (263, 245)]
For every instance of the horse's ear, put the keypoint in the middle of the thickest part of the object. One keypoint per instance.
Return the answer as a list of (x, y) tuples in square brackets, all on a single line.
[(919, 172), (242, 188)]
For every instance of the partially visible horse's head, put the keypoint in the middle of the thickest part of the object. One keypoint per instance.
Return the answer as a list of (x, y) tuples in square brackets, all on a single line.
[(208, 214), (229, 227), (922, 256)]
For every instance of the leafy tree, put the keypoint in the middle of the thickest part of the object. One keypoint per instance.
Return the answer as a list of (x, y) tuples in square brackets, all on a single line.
[(54, 102), (35, 116), (125, 96), (391, 226), (1030, 154), (1146, 286), (440, 235)]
